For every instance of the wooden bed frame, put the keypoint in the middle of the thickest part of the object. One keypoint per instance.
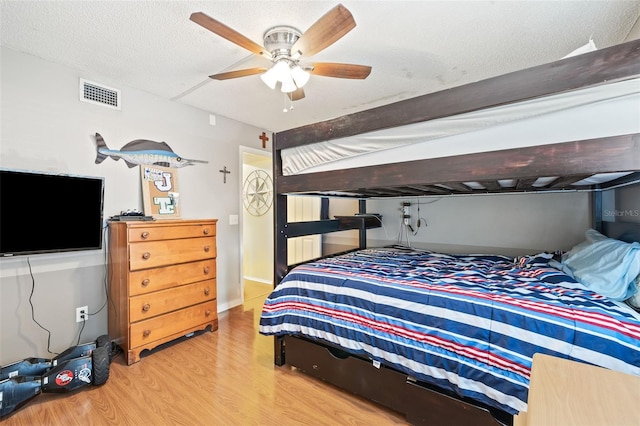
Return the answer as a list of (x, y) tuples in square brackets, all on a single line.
[(571, 161)]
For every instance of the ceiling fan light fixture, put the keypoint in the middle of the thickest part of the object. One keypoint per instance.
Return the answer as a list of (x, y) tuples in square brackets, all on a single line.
[(291, 78), (270, 78), (300, 76), (281, 69), (288, 85)]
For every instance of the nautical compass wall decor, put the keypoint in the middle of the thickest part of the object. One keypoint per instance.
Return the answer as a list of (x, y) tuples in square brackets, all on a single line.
[(258, 192)]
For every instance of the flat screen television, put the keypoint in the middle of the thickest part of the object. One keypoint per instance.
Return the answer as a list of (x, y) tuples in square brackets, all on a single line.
[(49, 213)]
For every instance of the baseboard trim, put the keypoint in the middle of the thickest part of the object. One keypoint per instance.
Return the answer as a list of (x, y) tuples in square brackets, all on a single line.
[(259, 280), (228, 305)]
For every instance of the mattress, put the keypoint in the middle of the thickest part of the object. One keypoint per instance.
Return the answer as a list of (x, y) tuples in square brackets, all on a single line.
[(601, 111), (468, 324)]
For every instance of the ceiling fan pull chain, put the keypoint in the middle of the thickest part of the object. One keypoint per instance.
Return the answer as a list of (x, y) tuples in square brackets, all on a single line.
[(290, 106)]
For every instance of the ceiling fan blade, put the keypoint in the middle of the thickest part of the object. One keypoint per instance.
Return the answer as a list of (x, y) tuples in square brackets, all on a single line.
[(296, 95), (325, 31), (228, 33), (330, 69), (238, 73)]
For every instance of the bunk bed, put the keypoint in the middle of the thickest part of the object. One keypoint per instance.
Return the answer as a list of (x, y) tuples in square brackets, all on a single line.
[(589, 160)]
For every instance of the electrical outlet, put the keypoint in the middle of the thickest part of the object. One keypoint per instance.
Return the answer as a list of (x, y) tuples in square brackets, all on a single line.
[(82, 313), (405, 207), (405, 212)]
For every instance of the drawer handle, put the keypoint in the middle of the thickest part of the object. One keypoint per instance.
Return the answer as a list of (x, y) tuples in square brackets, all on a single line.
[(207, 312), (206, 270), (144, 235), (146, 333), (146, 307), (205, 231), (146, 255), (206, 249), (145, 282), (207, 291)]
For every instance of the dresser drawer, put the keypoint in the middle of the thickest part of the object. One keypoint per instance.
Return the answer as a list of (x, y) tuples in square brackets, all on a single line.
[(148, 280), (156, 328), (168, 252), (156, 233), (160, 302)]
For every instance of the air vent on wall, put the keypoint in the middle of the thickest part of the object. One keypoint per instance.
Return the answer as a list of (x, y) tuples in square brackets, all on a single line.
[(99, 94)]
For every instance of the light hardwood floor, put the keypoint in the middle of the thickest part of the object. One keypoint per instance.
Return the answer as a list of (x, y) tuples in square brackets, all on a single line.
[(222, 378)]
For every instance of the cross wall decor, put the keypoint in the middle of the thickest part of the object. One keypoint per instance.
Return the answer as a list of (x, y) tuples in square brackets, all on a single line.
[(264, 138), (226, 172)]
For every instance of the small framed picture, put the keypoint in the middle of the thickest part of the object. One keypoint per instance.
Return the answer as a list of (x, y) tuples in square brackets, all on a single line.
[(160, 194)]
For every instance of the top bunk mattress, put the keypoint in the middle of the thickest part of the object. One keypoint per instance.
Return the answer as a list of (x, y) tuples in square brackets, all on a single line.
[(595, 112)]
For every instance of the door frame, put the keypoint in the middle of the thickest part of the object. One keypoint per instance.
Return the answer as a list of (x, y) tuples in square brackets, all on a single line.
[(242, 150)]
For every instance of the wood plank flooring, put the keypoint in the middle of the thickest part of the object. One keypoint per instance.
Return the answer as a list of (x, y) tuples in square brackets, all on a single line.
[(222, 378)]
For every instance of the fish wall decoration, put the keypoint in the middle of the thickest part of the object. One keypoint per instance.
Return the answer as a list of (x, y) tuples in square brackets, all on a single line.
[(142, 151)]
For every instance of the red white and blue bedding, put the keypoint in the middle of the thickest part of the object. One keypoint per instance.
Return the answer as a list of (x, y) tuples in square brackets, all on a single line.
[(469, 324)]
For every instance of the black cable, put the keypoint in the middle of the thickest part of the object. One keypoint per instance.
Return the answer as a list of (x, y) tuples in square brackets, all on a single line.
[(84, 320), (33, 313), (106, 282)]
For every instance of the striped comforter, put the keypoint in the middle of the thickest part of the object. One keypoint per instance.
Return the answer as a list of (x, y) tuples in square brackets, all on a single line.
[(469, 324)]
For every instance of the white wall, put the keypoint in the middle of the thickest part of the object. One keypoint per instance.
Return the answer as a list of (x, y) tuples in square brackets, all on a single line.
[(510, 224), (634, 34), (45, 127)]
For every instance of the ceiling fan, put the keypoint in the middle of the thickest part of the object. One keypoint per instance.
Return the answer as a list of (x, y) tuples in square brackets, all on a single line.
[(286, 46)]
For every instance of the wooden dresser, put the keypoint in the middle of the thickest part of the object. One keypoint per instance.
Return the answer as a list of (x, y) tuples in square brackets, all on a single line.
[(162, 282)]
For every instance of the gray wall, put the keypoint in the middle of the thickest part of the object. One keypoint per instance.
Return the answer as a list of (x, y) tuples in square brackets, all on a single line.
[(45, 127), (510, 224), (627, 201)]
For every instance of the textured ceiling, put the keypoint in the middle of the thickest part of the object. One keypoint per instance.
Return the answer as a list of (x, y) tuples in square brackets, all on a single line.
[(414, 47)]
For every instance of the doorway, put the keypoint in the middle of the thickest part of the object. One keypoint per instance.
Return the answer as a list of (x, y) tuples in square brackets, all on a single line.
[(256, 222)]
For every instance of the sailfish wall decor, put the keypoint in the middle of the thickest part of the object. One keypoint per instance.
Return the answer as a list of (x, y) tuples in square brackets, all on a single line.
[(142, 151)]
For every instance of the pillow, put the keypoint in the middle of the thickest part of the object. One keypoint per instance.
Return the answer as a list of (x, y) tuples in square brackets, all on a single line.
[(591, 236), (635, 299), (605, 265)]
